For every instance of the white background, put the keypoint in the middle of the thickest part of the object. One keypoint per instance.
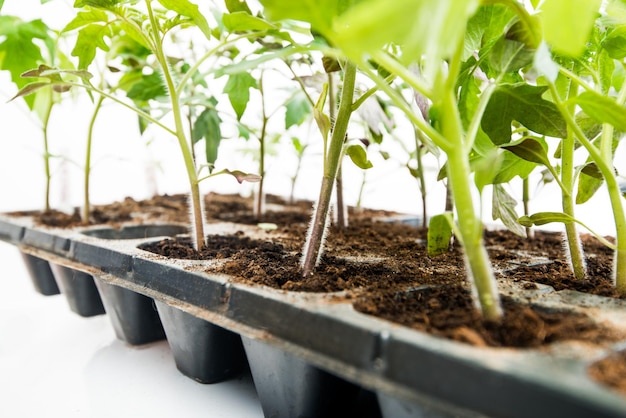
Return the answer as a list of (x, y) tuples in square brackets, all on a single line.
[(56, 364)]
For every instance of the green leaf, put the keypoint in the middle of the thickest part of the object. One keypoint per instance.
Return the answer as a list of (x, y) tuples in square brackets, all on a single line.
[(319, 13), (238, 90), (86, 18), (531, 150), (243, 22), (89, 39), (358, 155), (440, 234), (298, 145), (523, 103), (602, 109), (527, 31), (589, 182), (30, 88), (543, 218), (615, 43), (486, 27), (21, 39), (102, 4), (243, 131), (485, 169), (208, 126), (322, 120), (503, 208), (513, 166), (190, 10), (606, 68), (148, 88), (508, 56), (237, 6), (429, 28), (240, 176), (567, 24), (297, 109)]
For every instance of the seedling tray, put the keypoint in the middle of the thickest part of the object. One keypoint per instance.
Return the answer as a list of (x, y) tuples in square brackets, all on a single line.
[(412, 372)]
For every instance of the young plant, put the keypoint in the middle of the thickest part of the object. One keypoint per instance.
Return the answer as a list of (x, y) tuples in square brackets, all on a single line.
[(571, 100), (431, 32), (581, 77), (99, 19), (21, 50)]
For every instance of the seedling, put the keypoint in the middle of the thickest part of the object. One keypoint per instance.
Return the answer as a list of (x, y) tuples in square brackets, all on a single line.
[(21, 42), (100, 19)]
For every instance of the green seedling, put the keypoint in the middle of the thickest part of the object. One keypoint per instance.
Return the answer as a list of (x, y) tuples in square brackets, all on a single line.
[(98, 20)]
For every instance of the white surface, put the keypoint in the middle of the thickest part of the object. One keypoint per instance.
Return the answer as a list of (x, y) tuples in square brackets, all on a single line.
[(54, 363)]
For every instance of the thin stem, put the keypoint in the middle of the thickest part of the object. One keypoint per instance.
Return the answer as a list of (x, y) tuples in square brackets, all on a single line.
[(46, 151), (342, 221), (315, 237), (196, 204), (530, 233), (576, 257), (139, 112), (87, 169), (260, 206), (300, 83), (421, 176), (470, 227), (397, 68), (608, 172)]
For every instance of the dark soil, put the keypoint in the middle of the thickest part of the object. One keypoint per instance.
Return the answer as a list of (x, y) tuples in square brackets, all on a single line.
[(380, 264), (449, 312)]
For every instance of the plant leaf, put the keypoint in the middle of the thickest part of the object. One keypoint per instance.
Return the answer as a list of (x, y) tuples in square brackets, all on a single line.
[(486, 168), (240, 176), (237, 6), (148, 88), (85, 18), (30, 88), (508, 56), (512, 166), (523, 103), (89, 39), (297, 109), (238, 90), (242, 22), (527, 31), (503, 208), (567, 24), (358, 155), (589, 182), (190, 10), (486, 27), (322, 120), (615, 43), (543, 218), (531, 150), (103, 4), (208, 126), (319, 13), (602, 109), (428, 29), (20, 39), (440, 234)]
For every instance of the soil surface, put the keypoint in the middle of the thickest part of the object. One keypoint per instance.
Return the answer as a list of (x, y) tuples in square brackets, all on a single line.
[(385, 269)]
